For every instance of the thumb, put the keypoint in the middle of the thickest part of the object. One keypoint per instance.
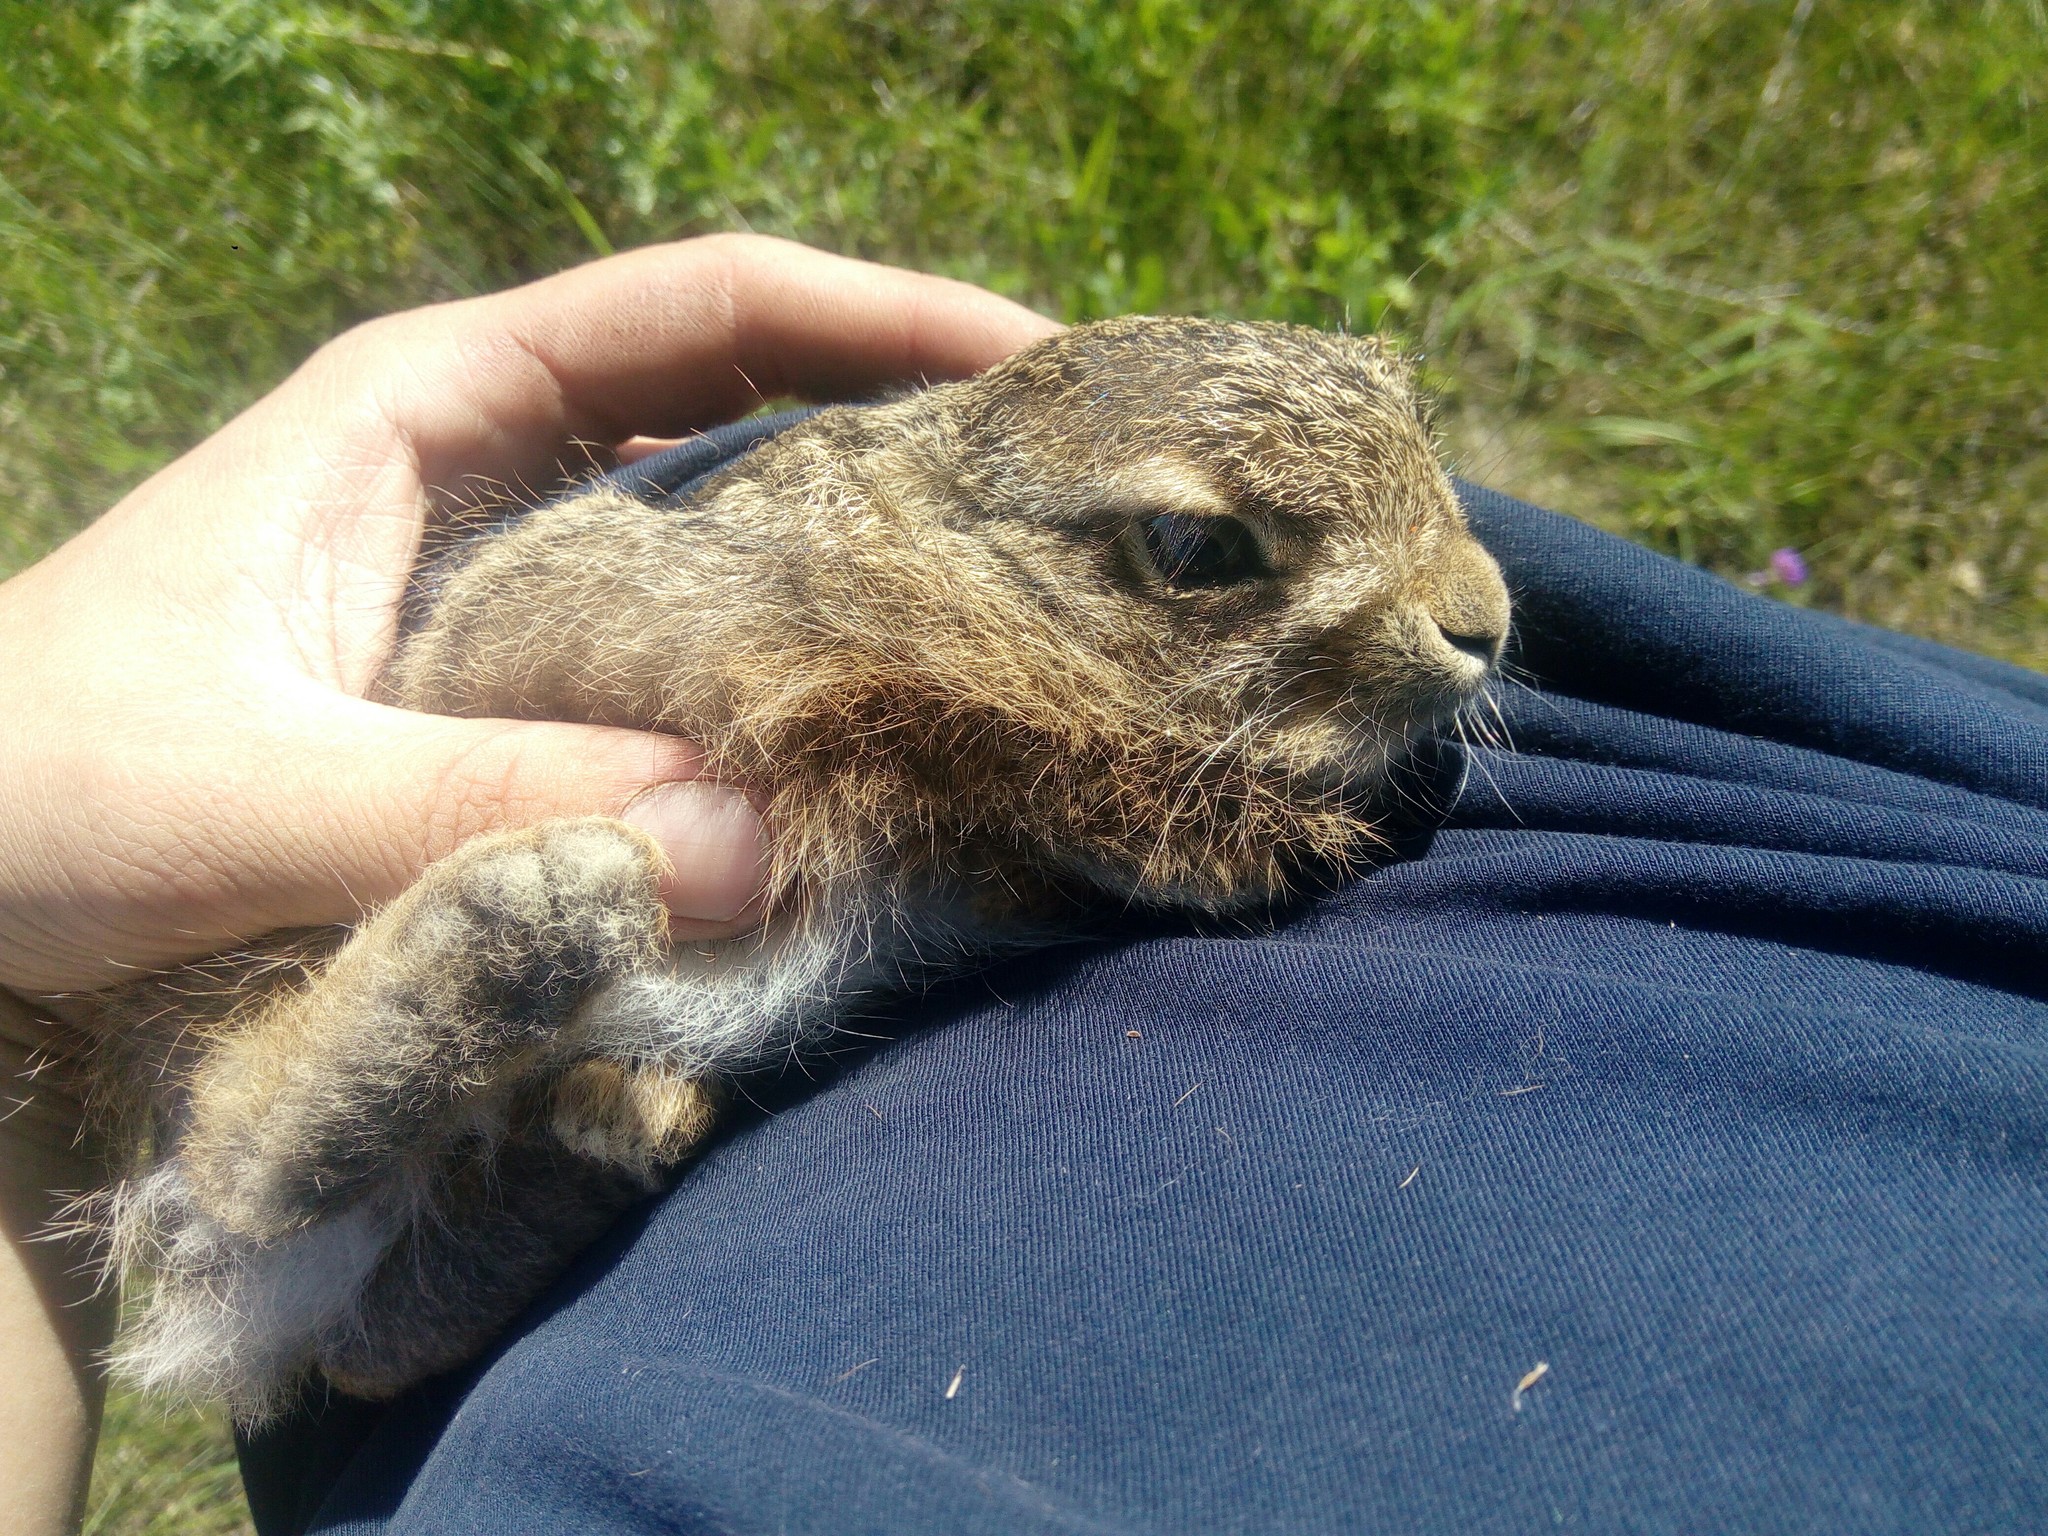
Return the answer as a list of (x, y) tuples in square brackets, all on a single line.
[(164, 839), (398, 790)]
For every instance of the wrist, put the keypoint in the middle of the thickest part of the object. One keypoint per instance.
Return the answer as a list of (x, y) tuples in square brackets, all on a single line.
[(55, 1319)]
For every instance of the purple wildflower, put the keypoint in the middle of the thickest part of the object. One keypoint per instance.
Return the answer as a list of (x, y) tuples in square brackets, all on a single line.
[(1789, 566)]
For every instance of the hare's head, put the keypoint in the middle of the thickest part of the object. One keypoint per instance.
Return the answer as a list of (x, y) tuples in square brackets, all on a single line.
[(1197, 586), (1157, 604)]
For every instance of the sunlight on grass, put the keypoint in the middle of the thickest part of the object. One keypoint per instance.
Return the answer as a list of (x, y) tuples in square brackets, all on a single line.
[(1725, 278), (164, 1472)]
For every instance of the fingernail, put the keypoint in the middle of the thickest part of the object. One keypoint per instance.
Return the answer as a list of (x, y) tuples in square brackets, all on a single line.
[(716, 847)]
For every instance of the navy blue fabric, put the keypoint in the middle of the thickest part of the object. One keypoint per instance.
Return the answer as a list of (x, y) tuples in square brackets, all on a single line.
[(1659, 1147), (670, 474)]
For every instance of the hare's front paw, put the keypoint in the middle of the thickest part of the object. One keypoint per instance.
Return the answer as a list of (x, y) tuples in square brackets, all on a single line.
[(528, 920), (415, 1035)]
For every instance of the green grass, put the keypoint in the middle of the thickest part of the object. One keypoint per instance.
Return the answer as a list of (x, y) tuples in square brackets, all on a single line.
[(165, 1473), (1721, 277)]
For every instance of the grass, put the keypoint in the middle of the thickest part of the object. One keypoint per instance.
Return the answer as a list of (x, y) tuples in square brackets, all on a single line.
[(165, 1473), (1723, 278)]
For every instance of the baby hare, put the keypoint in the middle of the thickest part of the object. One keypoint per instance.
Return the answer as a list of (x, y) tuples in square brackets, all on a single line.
[(1144, 615)]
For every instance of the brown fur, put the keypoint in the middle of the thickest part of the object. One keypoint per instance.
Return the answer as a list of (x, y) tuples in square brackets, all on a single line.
[(930, 638)]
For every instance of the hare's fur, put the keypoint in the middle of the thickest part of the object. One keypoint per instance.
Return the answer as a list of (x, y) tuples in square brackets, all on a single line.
[(928, 637)]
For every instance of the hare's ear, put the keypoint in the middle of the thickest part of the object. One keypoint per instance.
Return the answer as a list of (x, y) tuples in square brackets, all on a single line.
[(1369, 349), (1424, 403), (1380, 359)]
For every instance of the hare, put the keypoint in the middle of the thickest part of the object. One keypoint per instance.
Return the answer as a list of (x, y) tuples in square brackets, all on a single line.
[(1145, 614)]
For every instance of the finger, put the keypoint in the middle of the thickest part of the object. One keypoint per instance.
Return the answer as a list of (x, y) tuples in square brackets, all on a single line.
[(400, 790), (715, 848), (307, 818), (328, 811), (664, 341), (636, 448)]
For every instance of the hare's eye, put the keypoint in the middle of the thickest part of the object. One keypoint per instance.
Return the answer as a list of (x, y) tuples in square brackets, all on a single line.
[(1190, 551)]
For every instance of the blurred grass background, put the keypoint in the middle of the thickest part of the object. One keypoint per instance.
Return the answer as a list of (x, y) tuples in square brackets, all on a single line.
[(1725, 278)]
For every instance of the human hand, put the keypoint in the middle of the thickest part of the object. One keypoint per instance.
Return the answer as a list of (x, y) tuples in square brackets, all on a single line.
[(188, 759), (186, 756)]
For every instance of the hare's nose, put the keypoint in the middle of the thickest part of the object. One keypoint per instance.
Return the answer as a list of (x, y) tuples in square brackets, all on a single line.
[(1469, 602), (1482, 648)]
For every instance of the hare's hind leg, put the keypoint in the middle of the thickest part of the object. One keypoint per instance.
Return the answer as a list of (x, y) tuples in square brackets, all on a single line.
[(502, 1225), (321, 1123), (501, 1221)]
